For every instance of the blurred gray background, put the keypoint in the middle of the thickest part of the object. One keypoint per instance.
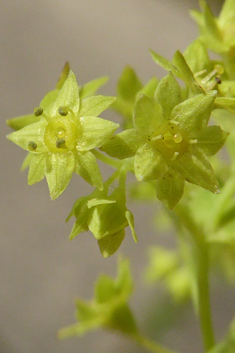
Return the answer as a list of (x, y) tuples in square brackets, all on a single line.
[(42, 272)]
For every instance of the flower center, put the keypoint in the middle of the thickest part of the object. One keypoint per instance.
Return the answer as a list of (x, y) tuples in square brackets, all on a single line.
[(61, 133), (170, 140)]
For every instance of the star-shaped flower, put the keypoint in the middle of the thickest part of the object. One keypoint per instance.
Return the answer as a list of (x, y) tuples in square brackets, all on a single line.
[(171, 141), (109, 309), (61, 142)]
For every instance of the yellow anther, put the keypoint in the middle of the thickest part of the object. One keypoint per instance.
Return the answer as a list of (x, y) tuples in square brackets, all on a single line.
[(219, 69), (32, 146)]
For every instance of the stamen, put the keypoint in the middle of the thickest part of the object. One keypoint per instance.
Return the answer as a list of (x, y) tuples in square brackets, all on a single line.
[(193, 141), (199, 73), (60, 143), (63, 111), (38, 111), (175, 155), (159, 137), (218, 69), (32, 146)]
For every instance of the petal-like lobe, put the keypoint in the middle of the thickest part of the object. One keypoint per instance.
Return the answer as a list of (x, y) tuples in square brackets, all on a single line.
[(93, 106), (94, 132), (168, 94), (86, 166), (194, 112), (37, 168), (147, 115), (123, 145), (170, 188), (196, 169), (111, 243), (68, 96), (149, 163), (30, 133), (59, 171)]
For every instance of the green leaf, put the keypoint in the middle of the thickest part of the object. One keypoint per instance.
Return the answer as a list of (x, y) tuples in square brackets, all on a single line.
[(130, 220), (149, 164), (128, 85), (211, 139), (147, 116), (195, 112), (196, 169), (168, 94), (170, 188), (123, 145), (90, 88), (68, 96), (86, 166), (22, 121), (93, 106), (95, 132), (36, 168), (111, 243), (59, 171)]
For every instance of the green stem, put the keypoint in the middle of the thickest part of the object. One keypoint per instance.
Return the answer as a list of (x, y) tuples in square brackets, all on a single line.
[(204, 305), (107, 160), (202, 275), (151, 345)]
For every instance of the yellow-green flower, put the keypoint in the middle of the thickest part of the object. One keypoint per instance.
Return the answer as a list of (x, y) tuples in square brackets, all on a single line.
[(105, 214), (109, 309), (171, 141), (61, 142)]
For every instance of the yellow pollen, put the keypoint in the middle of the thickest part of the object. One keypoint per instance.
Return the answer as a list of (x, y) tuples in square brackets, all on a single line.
[(219, 69)]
